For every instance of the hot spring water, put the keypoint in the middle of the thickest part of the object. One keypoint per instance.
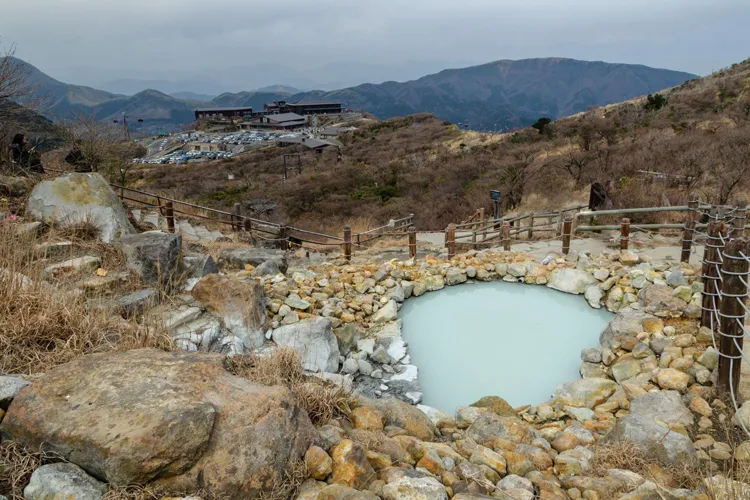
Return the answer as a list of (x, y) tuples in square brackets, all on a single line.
[(515, 341)]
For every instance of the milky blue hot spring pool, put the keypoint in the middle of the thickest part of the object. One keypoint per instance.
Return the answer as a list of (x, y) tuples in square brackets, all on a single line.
[(515, 341)]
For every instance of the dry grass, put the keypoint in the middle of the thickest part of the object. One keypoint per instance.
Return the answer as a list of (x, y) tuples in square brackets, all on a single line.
[(16, 466), (321, 400), (289, 485), (42, 326), (628, 456)]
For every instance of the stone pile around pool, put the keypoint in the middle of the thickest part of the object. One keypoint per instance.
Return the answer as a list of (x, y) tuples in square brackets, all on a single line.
[(643, 421)]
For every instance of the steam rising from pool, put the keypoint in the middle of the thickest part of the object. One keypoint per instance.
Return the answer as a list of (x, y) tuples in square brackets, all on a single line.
[(515, 341)]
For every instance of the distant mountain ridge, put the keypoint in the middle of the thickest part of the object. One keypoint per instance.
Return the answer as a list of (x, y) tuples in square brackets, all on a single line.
[(494, 96)]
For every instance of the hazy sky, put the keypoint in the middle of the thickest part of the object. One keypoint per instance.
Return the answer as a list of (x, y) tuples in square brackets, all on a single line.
[(95, 41)]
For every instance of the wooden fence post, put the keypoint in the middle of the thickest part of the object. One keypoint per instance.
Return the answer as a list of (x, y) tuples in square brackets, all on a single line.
[(282, 239), (249, 227), (689, 233), (450, 240), (625, 234), (237, 217), (711, 262), (348, 242), (566, 235), (412, 242), (531, 226), (732, 313), (483, 223), (506, 236), (169, 214), (740, 218)]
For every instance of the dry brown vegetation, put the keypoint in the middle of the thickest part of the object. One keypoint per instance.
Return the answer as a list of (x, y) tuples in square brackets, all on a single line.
[(42, 325), (420, 165), (282, 366)]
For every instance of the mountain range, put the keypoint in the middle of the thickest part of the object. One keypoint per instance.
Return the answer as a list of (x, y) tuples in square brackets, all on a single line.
[(494, 96)]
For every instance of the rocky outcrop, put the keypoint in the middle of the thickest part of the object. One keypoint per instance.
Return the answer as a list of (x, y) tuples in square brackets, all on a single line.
[(80, 197), (314, 339), (154, 256), (239, 303), (570, 280), (178, 419), (654, 439)]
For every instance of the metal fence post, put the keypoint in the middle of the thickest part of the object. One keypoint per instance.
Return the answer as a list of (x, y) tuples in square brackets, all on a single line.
[(450, 240), (348, 242), (566, 235), (169, 214), (625, 234), (689, 234), (412, 242), (732, 314)]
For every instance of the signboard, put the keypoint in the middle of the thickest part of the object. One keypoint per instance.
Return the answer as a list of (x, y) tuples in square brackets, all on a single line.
[(494, 195)]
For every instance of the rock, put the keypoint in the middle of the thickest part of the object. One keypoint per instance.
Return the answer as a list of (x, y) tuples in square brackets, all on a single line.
[(669, 378), (496, 405), (743, 415), (267, 268), (454, 276), (570, 280), (433, 414), (387, 313), (513, 482), (403, 415), (176, 418), (676, 278), (347, 338), (660, 301), (367, 418), (722, 488), (626, 368), (15, 186), (198, 267), (319, 464), (586, 393), (415, 488), (664, 406), (488, 427), (295, 302), (573, 461), (594, 296), (590, 355), (74, 198), (55, 249), (626, 325), (60, 481), (493, 460), (341, 492), (654, 439), (628, 258), (9, 387), (350, 465), (239, 304), (78, 265), (240, 257), (154, 256), (137, 303), (313, 338)]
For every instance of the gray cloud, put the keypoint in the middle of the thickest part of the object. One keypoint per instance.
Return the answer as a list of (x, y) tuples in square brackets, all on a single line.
[(241, 42)]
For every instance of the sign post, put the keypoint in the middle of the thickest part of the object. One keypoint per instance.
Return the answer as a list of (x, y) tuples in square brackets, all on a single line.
[(495, 197)]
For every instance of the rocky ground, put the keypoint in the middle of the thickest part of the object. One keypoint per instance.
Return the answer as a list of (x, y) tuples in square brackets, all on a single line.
[(642, 422)]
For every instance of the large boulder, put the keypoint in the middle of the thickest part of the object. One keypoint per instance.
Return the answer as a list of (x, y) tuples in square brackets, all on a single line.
[(239, 257), (403, 415), (153, 255), (177, 419), (570, 280), (654, 439), (80, 197), (238, 302), (314, 339), (489, 426)]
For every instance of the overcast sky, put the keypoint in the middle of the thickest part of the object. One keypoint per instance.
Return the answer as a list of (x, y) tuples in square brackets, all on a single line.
[(330, 41)]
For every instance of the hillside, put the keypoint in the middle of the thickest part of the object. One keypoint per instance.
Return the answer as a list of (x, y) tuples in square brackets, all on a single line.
[(421, 165), (494, 96), (508, 94), (40, 131)]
